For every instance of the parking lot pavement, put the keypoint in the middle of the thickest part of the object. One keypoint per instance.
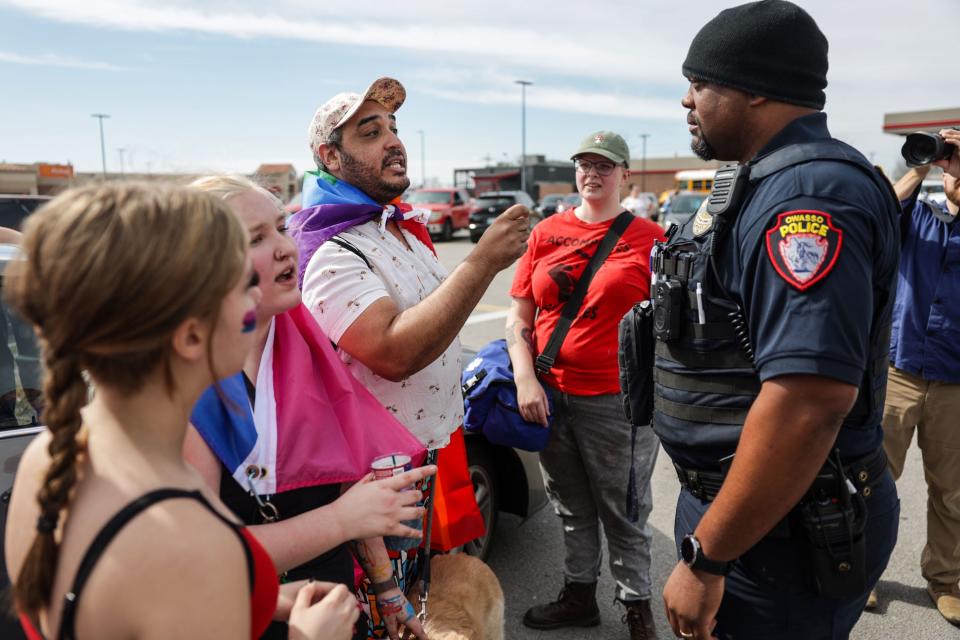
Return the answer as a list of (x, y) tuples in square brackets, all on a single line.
[(528, 559), (528, 556)]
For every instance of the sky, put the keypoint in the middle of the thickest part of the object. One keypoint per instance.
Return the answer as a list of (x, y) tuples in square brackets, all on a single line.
[(217, 86)]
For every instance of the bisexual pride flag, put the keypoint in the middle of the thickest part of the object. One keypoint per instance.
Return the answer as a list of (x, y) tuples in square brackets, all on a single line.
[(311, 423)]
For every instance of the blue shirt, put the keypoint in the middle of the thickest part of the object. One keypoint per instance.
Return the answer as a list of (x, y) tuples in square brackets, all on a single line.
[(926, 317), (817, 317)]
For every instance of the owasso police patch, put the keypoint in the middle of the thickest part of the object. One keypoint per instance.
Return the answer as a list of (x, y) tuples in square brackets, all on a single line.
[(803, 246)]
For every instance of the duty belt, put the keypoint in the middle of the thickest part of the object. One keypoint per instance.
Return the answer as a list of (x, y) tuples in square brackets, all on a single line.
[(865, 473)]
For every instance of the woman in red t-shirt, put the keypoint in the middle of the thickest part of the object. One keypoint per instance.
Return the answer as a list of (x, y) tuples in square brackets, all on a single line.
[(587, 461)]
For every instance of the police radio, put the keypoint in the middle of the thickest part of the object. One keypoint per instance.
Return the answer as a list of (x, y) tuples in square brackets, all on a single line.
[(729, 186)]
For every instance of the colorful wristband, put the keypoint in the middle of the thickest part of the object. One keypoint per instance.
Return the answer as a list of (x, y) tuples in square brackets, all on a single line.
[(383, 586)]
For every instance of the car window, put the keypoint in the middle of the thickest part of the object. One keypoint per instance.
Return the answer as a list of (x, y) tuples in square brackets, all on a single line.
[(494, 201), (429, 197), (20, 369), (686, 203), (573, 198), (456, 198), (13, 210)]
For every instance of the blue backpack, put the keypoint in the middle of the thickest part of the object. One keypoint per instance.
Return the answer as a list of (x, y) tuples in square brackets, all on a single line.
[(490, 399)]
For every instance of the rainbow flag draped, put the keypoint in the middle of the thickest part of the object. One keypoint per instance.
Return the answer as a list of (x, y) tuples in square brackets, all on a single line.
[(312, 423), (331, 206)]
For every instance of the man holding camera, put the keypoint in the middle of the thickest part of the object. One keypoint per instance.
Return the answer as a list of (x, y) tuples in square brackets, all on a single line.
[(772, 311), (923, 392)]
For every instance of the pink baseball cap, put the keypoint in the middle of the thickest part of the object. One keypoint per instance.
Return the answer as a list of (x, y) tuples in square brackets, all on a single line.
[(341, 107)]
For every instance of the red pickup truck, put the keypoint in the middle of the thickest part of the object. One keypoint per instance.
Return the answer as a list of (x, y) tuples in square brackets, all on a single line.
[(449, 209)]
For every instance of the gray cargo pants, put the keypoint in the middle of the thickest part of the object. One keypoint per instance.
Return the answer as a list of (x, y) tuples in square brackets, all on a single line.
[(585, 468)]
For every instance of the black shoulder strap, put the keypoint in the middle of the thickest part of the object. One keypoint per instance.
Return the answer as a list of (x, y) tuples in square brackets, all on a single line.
[(572, 307), (830, 149), (352, 248), (803, 152), (110, 531)]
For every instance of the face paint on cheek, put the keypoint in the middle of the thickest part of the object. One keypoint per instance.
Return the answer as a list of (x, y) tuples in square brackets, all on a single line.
[(249, 321)]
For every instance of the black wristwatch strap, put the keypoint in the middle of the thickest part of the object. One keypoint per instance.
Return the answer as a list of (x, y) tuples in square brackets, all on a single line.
[(692, 554)]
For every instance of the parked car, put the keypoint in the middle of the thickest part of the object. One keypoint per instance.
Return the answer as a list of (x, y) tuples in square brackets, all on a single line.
[(570, 201), (449, 209), (504, 480), (681, 207), (19, 421), (487, 206), (548, 204)]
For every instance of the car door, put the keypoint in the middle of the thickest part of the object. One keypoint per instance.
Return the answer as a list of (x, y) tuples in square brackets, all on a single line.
[(20, 383), (460, 211)]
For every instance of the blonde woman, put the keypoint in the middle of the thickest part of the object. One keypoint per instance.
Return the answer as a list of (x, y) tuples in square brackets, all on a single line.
[(111, 534), (306, 529)]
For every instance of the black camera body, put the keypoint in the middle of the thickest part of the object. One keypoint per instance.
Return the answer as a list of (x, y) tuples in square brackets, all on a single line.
[(922, 148), (668, 309)]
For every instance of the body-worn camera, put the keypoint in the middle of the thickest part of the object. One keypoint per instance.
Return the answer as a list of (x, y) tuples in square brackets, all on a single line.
[(923, 148), (668, 310)]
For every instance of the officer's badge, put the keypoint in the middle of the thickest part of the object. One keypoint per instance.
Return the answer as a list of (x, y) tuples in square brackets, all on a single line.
[(803, 247), (703, 221)]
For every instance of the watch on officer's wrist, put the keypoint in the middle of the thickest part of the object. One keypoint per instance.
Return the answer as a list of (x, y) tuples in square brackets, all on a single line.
[(692, 554)]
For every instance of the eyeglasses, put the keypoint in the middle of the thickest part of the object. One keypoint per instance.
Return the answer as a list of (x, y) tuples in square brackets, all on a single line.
[(602, 168)]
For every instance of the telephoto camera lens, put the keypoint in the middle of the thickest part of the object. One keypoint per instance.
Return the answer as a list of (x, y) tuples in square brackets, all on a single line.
[(923, 148)]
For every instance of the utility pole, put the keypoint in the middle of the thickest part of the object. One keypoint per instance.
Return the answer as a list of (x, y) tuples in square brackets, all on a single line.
[(423, 161), (523, 132), (121, 151), (103, 149), (643, 163)]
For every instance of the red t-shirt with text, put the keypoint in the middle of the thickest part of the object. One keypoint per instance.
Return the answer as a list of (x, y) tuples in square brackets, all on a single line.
[(558, 251)]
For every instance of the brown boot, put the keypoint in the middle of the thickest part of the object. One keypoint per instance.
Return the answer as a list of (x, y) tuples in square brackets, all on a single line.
[(639, 620), (947, 600), (576, 606)]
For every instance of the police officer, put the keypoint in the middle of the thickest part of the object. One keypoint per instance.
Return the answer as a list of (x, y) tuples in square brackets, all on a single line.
[(772, 312)]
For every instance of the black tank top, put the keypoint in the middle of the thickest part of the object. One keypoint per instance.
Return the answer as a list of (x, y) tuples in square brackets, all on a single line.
[(108, 533)]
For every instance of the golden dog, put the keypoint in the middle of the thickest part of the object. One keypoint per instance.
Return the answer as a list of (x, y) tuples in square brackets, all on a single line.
[(465, 601)]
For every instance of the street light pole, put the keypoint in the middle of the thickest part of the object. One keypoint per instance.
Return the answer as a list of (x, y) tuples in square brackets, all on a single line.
[(643, 163), (523, 132), (103, 149), (423, 160)]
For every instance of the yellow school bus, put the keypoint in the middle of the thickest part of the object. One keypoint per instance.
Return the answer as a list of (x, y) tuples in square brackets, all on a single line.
[(694, 180)]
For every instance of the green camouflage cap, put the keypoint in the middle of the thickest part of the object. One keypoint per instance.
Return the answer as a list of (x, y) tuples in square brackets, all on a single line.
[(607, 144)]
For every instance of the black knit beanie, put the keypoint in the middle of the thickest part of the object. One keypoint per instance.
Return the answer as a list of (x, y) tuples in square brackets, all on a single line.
[(771, 48)]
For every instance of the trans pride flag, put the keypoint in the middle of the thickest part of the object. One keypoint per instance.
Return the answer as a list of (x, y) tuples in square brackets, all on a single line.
[(312, 422)]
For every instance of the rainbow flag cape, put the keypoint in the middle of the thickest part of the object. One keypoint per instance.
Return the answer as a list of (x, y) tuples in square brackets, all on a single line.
[(331, 206)]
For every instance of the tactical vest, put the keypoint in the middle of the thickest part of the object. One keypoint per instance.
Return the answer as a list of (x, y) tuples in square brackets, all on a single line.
[(704, 373)]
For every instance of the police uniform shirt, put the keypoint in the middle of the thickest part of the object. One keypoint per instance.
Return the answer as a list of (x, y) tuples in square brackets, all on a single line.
[(809, 256)]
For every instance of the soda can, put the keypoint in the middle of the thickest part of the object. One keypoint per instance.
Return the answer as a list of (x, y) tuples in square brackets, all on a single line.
[(387, 467), (390, 465)]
